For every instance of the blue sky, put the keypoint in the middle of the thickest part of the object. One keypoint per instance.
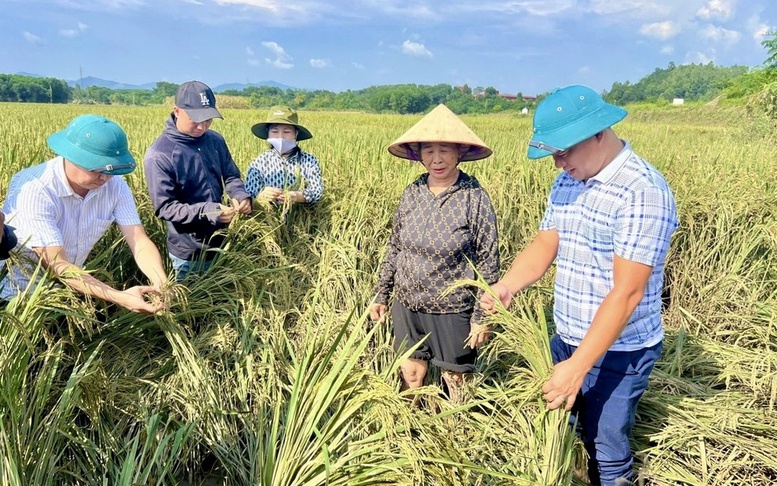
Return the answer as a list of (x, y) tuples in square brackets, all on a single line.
[(528, 46)]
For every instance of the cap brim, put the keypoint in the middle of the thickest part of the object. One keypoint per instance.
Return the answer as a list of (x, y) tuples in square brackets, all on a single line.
[(574, 133), (203, 114)]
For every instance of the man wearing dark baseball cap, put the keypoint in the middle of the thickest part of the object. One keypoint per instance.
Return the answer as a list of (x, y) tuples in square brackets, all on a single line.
[(197, 100), (608, 224), (187, 169)]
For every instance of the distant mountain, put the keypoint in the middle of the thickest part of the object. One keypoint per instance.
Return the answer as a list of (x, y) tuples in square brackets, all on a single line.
[(105, 83), (241, 86)]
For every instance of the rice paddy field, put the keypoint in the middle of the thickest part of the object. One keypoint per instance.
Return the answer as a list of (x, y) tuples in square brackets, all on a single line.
[(268, 372)]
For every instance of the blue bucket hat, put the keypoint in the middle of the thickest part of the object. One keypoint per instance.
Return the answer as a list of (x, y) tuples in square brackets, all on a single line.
[(94, 143), (568, 116)]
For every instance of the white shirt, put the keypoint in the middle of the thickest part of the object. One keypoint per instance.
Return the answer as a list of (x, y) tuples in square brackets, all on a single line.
[(46, 211)]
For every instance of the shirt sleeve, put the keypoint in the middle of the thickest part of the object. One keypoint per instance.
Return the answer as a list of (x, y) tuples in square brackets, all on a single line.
[(254, 180), (9, 242), (314, 182), (126, 211), (232, 181), (548, 220), (645, 225), (160, 180), (486, 247), (40, 213), (388, 268)]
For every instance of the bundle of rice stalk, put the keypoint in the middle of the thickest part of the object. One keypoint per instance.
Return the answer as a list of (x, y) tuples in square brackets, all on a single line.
[(520, 353)]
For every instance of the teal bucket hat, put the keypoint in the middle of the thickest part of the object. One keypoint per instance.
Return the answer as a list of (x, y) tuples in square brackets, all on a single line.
[(568, 116), (94, 143)]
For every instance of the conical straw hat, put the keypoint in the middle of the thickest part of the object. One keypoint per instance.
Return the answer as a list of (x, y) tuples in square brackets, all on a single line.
[(439, 125)]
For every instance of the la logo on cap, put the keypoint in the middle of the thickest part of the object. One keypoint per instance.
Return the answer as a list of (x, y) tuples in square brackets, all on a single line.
[(204, 99), (279, 112)]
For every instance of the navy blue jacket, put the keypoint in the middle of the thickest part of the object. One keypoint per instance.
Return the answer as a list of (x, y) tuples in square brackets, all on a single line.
[(9, 242), (186, 179)]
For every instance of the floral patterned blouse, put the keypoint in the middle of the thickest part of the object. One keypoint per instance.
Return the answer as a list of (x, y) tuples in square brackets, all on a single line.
[(300, 171)]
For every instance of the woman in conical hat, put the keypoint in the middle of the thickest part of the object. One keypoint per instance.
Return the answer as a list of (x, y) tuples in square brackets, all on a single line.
[(443, 222)]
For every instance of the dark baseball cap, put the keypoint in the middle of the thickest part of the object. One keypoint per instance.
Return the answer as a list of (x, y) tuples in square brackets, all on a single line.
[(197, 100)]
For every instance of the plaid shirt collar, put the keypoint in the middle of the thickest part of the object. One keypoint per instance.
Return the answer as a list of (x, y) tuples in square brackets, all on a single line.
[(605, 175)]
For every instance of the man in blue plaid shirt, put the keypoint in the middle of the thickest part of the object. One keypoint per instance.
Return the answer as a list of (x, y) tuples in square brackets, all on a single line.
[(607, 226)]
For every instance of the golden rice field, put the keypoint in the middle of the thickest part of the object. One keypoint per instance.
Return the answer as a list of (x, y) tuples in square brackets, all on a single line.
[(267, 372)]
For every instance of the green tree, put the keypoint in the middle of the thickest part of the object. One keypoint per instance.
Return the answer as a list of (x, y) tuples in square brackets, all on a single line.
[(163, 89), (770, 43)]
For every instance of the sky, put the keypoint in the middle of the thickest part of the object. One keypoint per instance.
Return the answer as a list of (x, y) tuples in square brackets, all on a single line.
[(526, 46)]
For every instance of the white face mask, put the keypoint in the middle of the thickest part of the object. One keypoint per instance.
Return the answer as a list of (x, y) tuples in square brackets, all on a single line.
[(282, 145)]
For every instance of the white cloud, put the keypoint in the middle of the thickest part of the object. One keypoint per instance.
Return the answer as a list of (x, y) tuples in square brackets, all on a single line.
[(584, 70), (32, 38), (122, 3), (401, 8), (283, 11), (700, 57), (660, 30), (540, 8), (717, 9), (70, 33), (357, 65), (415, 49), (760, 31), (319, 63), (282, 60), (667, 50), (637, 8), (719, 34), (271, 5), (249, 51)]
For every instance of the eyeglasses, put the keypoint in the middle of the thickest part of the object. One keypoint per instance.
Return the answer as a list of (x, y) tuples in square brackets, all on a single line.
[(108, 169), (549, 148)]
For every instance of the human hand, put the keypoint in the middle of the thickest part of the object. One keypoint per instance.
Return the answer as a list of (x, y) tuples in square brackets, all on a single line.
[(487, 302), (563, 385), (242, 207), (478, 335), (134, 299), (271, 193), (292, 196), (226, 214), (378, 312)]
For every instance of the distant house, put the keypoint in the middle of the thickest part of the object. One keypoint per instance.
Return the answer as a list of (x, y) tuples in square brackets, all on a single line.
[(524, 111), (508, 97), (678, 101), (529, 98)]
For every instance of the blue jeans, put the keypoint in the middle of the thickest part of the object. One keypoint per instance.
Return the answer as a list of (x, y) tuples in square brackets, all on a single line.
[(606, 407), (184, 267)]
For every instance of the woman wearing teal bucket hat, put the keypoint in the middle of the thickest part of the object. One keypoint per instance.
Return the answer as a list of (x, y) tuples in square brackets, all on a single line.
[(608, 223), (61, 208)]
